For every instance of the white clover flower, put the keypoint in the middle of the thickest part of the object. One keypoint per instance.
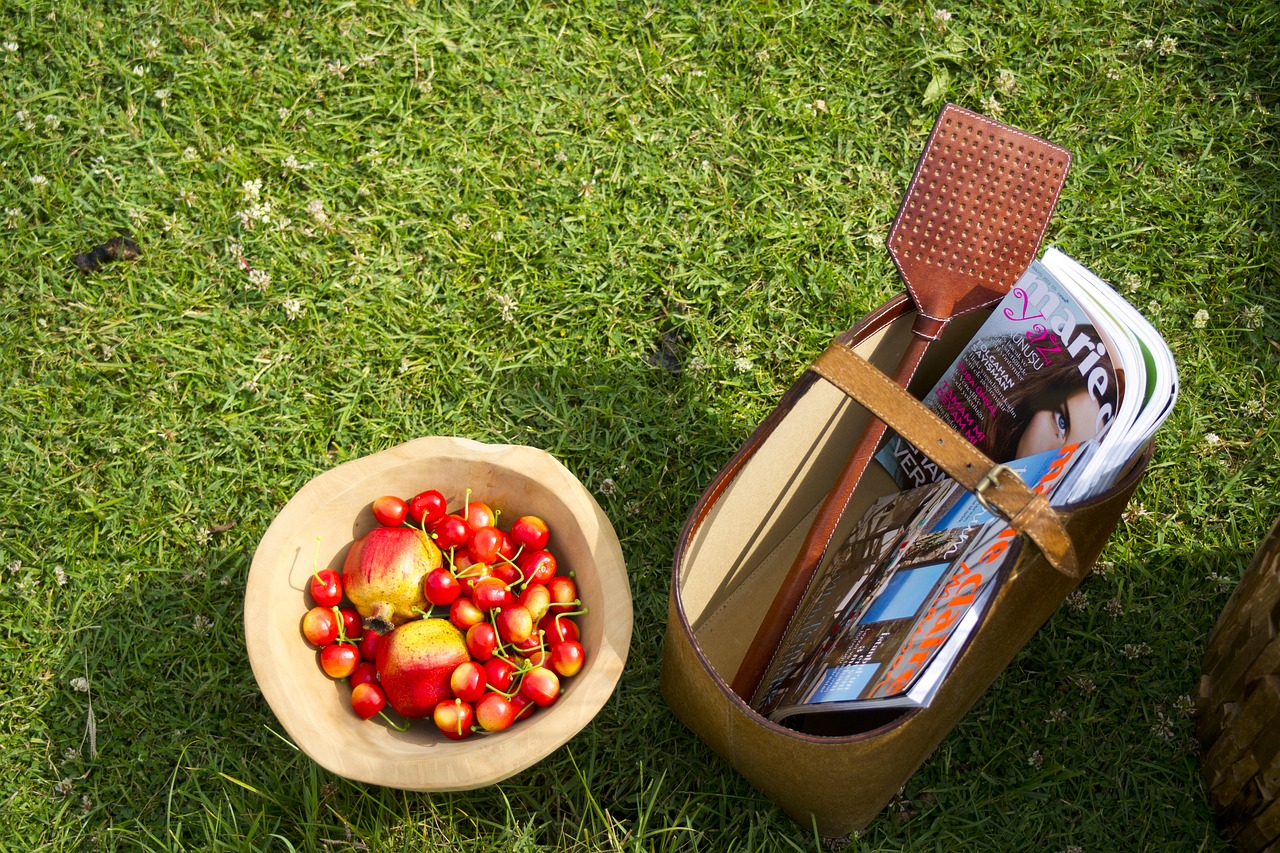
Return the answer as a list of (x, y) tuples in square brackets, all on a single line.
[(293, 308), (1153, 307), (255, 213), (60, 574), (1132, 282), (1133, 651), (80, 684), (190, 153), (11, 46), (1201, 319), (1212, 439), (1252, 317), (259, 279), (337, 69), (153, 48), (187, 197), (991, 106), (1167, 46), (1113, 73), (1036, 760), (561, 157), (163, 95), (290, 163), (1006, 82), (201, 624), (12, 217), (39, 181), (664, 79), (742, 364), (507, 305), (139, 71), (315, 209), (251, 189), (941, 16), (52, 122), (1147, 44), (462, 220), (608, 487), (497, 236)]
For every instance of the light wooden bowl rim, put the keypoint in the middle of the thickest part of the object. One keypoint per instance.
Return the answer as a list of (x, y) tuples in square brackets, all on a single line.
[(314, 530)]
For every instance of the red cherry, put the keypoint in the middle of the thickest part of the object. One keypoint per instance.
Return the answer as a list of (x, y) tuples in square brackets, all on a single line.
[(530, 532), (339, 660), (364, 673), (495, 712), (541, 685), (453, 717), (537, 566), (484, 545), (367, 699), (499, 672), (450, 532), (352, 623), (326, 588), (505, 571), (524, 707), (559, 628), (426, 508), (564, 594), (390, 510), (368, 645), (441, 587), (320, 626), (490, 593), (463, 613), (536, 600), (479, 514), (482, 639), (468, 681), (514, 623), (567, 658)]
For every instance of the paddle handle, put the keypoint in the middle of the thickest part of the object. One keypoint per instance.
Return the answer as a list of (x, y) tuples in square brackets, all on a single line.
[(818, 540)]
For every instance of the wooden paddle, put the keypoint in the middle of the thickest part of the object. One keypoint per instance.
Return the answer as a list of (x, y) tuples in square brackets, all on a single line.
[(970, 224)]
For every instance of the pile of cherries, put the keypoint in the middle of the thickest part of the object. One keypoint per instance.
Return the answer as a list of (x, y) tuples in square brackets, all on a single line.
[(500, 587)]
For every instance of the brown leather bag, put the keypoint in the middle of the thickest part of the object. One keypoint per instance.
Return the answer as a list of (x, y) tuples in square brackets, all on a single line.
[(747, 528), (971, 222)]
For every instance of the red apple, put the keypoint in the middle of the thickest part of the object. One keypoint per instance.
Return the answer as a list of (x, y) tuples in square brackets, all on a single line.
[(383, 574), (415, 662)]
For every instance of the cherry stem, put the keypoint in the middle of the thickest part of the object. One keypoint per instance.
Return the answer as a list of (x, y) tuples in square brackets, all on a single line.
[(315, 562), (393, 723)]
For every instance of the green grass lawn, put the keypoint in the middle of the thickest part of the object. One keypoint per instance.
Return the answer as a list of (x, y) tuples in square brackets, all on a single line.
[(365, 222)]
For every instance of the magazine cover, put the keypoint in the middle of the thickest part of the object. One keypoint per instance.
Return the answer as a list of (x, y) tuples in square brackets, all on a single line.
[(882, 643), (1037, 376), (855, 574)]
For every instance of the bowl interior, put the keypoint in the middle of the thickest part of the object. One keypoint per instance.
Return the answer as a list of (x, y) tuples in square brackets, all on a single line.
[(315, 529)]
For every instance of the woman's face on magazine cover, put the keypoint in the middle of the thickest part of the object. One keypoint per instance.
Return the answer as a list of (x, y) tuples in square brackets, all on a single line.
[(1070, 421)]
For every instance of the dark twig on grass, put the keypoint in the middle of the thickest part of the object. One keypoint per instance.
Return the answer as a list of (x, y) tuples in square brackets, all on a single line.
[(118, 248)]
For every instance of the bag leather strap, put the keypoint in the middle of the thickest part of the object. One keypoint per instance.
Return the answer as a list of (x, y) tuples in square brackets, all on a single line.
[(999, 488)]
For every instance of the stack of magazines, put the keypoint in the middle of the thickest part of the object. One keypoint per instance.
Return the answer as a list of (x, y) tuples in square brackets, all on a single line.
[(1065, 384)]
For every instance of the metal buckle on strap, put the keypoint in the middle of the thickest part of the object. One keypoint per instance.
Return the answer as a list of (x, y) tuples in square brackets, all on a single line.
[(990, 480)]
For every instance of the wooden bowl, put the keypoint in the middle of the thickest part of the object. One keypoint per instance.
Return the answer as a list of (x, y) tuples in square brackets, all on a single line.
[(333, 510)]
